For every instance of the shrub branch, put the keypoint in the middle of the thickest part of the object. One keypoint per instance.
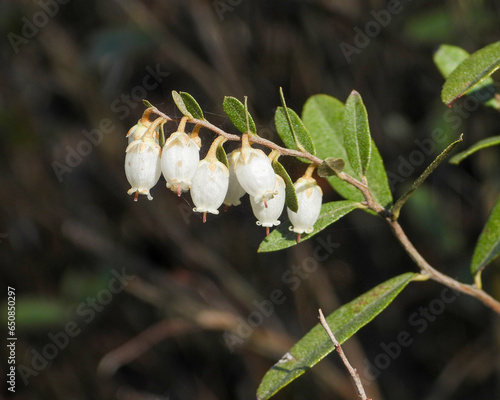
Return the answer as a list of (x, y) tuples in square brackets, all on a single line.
[(425, 267)]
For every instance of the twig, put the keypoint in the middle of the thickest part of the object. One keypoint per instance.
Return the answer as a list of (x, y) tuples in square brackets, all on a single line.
[(438, 276), (352, 371), (254, 139)]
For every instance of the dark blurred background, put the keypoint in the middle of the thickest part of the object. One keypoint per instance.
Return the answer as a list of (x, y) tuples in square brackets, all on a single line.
[(133, 301)]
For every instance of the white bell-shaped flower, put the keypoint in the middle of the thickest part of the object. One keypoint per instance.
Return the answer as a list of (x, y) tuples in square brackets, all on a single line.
[(234, 192), (255, 172), (268, 216), (209, 186), (142, 166), (309, 198), (179, 160)]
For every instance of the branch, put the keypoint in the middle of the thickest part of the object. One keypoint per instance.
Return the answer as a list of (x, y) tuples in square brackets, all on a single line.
[(254, 139), (438, 276), (352, 371), (426, 268)]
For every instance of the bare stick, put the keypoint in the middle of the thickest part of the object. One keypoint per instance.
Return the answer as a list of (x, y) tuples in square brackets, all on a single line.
[(352, 371)]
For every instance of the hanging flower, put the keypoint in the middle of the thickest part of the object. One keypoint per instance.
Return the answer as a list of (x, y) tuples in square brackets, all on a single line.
[(268, 216), (142, 163), (255, 172), (234, 192), (179, 160), (210, 183), (309, 198)]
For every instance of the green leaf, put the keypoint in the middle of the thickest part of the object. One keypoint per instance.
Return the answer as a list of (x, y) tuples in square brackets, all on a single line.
[(235, 110), (357, 134), (482, 144), (488, 244), (282, 237), (316, 344), (38, 312), (222, 156), (331, 166), (323, 117), (192, 105), (447, 58), (147, 103), (290, 195), (292, 130), (179, 102), (470, 72), (161, 139), (428, 171), (376, 178)]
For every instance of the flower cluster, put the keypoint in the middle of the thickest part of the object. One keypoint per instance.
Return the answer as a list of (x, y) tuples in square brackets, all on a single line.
[(210, 182)]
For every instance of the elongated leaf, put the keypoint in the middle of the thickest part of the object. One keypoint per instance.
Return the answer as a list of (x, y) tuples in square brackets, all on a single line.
[(290, 195), (377, 181), (293, 131), (357, 139), (179, 102), (488, 244), (482, 144), (147, 103), (222, 156), (447, 58), (161, 139), (423, 176), (235, 110), (323, 117), (470, 72), (37, 312), (316, 345), (282, 237), (192, 105)]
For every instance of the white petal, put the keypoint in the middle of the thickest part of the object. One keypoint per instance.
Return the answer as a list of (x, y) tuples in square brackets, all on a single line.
[(268, 216), (179, 160), (235, 191), (142, 169), (309, 197), (209, 186), (255, 174)]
